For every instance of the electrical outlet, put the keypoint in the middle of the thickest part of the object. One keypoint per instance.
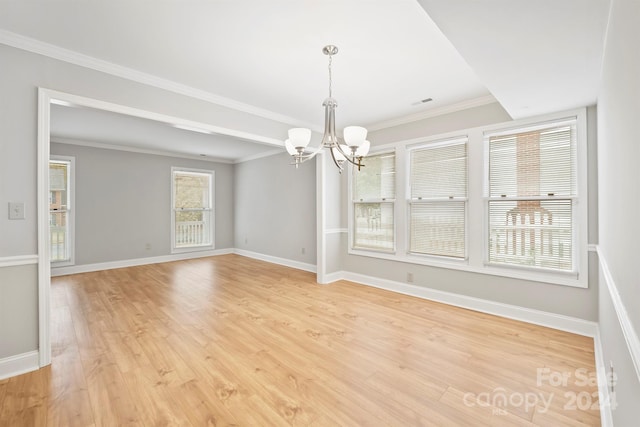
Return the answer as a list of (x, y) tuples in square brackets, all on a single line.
[(410, 277), (16, 210), (612, 377), (303, 251), (148, 246)]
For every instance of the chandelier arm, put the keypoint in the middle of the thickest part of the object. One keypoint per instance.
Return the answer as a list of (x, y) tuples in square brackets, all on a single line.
[(314, 153), (303, 158), (347, 156), (354, 161), (332, 128), (337, 163), (350, 157)]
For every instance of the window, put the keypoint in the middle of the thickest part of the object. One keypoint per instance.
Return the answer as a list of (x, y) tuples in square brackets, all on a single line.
[(507, 200), (192, 211), (438, 199), (374, 193), (61, 210), (532, 193)]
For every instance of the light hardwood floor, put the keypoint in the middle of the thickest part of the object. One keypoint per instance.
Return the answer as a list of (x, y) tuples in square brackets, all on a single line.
[(234, 341)]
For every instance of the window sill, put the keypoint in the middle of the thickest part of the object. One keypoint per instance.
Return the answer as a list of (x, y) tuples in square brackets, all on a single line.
[(55, 264), (187, 249), (551, 277)]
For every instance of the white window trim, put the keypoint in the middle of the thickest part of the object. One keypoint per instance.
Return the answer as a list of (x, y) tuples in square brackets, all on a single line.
[(350, 210), (578, 277), (174, 249), (477, 228), (71, 213)]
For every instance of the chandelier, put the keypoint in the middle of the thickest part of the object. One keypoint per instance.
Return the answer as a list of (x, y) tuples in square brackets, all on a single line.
[(351, 148)]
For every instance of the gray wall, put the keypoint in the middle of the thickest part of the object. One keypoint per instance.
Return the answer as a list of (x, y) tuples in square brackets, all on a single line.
[(469, 118), (569, 301), (22, 74), (285, 211), (619, 198), (18, 309), (275, 208), (335, 224), (123, 203)]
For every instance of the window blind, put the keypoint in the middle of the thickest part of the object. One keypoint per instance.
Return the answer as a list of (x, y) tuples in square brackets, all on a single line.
[(377, 180), (439, 172), (534, 163), (438, 228), (374, 192), (437, 205), (532, 188)]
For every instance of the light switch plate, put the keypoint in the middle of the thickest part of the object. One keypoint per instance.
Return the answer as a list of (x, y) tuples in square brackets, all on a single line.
[(16, 210)]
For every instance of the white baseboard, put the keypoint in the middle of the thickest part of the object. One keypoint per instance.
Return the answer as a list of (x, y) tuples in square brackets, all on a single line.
[(19, 364), (537, 317), (276, 260), (333, 277), (86, 268)]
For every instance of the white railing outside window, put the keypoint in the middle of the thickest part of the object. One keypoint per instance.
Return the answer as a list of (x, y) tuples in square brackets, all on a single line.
[(192, 233), (59, 237)]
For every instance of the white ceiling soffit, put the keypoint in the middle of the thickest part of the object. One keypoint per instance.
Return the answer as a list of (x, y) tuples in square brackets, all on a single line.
[(535, 56), (266, 55), (105, 129)]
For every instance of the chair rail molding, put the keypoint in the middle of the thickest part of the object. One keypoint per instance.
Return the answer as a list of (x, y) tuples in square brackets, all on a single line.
[(12, 261), (628, 331)]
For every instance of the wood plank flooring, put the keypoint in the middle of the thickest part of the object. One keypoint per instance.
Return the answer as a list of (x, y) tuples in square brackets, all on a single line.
[(233, 341)]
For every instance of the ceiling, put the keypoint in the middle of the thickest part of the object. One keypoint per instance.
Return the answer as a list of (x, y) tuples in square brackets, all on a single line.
[(534, 57), (106, 129)]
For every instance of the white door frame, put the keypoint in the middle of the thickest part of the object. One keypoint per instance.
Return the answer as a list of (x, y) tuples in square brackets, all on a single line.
[(45, 98)]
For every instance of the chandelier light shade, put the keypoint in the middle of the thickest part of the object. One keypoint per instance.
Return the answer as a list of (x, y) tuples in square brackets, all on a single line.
[(351, 148)]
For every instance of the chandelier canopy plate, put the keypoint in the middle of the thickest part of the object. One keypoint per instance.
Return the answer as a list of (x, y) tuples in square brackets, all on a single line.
[(330, 49)]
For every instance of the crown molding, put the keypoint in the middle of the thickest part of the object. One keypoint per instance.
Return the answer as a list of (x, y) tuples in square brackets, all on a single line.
[(260, 155), (93, 144), (434, 112), (55, 52), (46, 49)]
